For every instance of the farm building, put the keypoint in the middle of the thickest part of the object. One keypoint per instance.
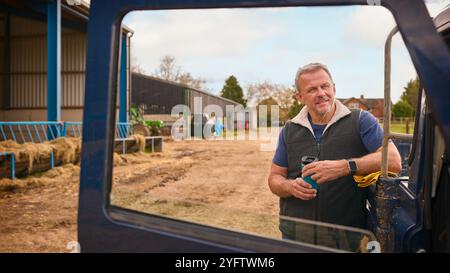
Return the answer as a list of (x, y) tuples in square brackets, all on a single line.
[(43, 60), (157, 98), (372, 105), (43, 49)]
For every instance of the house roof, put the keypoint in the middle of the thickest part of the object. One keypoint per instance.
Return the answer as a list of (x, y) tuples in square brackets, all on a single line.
[(268, 101), (369, 103)]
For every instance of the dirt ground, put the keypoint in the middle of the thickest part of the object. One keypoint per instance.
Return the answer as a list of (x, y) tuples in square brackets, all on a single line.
[(220, 183)]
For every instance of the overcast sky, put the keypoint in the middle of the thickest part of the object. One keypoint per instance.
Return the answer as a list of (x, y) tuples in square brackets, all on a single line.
[(256, 45)]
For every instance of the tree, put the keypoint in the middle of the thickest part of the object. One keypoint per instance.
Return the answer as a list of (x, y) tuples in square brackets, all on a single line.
[(169, 71), (187, 79), (282, 94), (294, 109), (402, 109), (136, 66), (233, 91), (261, 91), (411, 92)]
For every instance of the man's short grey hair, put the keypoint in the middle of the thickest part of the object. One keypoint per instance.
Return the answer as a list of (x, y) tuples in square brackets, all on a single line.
[(312, 67)]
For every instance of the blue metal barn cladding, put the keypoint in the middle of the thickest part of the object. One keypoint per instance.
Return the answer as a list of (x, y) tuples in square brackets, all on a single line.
[(43, 48)]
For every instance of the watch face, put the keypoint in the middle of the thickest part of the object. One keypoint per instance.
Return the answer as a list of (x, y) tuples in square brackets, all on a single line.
[(352, 165)]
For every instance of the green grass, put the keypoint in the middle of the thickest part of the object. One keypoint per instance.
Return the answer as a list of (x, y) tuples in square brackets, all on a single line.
[(401, 127)]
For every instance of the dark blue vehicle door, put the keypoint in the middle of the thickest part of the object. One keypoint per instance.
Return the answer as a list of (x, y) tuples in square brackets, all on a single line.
[(106, 228)]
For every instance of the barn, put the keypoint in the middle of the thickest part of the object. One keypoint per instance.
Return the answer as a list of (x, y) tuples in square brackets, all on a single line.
[(43, 60), (157, 98)]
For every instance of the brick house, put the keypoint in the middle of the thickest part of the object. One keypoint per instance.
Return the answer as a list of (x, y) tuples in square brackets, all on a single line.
[(374, 106)]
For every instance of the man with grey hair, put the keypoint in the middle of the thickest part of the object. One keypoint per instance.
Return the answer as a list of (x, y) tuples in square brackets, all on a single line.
[(344, 142)]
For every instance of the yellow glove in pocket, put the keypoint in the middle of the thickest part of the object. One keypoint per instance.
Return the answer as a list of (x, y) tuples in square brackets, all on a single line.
[(365, 181)]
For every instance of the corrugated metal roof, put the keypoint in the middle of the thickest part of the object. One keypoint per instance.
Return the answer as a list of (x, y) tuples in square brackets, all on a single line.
[(83, 9), (185, 86)]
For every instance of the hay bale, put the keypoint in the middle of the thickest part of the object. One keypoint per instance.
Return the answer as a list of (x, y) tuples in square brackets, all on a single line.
[(67, 150), (13, 185), (66, 171), (118, 160), (9, 144), (141, 129), (56, 175), (15, 148), (35, 157), (37, 153), (140, 141), (8, 185), (34, 153)]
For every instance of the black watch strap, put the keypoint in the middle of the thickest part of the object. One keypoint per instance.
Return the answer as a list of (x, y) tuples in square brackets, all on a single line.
[(351, 166)]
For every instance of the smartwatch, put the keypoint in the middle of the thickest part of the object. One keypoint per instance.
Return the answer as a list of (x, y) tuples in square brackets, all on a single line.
[(352, 166)]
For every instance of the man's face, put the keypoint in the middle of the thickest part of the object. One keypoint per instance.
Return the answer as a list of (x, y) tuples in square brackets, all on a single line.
[(317, 92)]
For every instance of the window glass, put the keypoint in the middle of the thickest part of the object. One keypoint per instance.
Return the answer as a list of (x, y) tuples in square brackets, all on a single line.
[(210, 91)]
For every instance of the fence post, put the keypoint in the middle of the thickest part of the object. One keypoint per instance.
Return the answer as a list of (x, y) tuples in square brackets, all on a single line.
[(64, 129), (407, 125)]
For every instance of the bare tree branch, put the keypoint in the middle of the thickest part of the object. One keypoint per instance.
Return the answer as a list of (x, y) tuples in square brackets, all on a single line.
[(258, 92), (168, 70)]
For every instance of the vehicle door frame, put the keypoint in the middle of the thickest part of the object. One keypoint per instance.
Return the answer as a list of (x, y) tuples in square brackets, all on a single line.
[(106, 228)]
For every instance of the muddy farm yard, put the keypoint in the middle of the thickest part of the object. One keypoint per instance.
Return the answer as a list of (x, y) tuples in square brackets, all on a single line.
[(220, 183)]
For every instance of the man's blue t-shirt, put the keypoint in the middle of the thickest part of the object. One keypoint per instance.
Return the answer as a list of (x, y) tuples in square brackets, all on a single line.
[(370, 130)]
